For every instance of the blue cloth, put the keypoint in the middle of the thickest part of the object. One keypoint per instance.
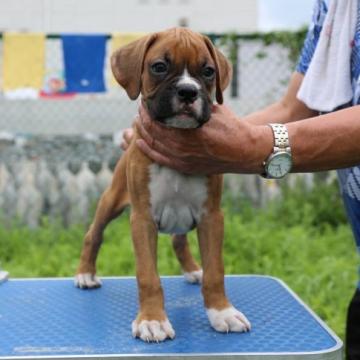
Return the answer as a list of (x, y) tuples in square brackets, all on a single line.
[(84, 60), (349, 178)]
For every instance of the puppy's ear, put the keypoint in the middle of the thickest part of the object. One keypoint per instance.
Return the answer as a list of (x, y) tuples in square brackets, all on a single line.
[(127, 64), (223, 69)]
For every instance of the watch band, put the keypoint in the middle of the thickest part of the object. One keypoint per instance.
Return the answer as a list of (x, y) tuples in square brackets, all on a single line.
[(281, 137)]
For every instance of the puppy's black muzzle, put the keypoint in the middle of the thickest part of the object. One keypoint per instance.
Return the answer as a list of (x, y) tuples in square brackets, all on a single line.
[(187, 93), (161, 105)]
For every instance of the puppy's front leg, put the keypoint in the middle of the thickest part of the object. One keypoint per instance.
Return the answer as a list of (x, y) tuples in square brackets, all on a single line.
[(222, 315), (151, 323)]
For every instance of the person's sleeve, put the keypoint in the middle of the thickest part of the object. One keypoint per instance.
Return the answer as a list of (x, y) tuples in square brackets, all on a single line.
[(312, 37)]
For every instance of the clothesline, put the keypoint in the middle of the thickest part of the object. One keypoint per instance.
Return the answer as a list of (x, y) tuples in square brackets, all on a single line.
[(28, 69)]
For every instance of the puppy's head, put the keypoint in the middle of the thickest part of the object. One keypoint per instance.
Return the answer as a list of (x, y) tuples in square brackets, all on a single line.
[(177, 71)]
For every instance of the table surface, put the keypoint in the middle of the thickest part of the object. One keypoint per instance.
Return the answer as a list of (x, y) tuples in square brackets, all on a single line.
[(50, 318)]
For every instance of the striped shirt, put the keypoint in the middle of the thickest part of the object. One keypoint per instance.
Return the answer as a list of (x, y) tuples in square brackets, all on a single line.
[(349, 178)]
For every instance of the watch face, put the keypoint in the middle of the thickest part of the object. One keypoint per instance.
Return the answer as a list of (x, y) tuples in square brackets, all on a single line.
[(279, 165)]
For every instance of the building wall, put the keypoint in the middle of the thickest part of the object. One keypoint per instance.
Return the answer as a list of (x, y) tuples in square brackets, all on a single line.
[(55, 16)]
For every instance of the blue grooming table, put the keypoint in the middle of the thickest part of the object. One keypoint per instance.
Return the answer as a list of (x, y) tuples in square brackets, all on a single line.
[(51, 319)]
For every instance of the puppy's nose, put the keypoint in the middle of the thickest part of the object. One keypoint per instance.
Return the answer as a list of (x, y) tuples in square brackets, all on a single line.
[(187, 93)]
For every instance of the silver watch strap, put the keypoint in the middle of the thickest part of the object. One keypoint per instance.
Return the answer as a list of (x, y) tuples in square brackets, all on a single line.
[(281, 137)]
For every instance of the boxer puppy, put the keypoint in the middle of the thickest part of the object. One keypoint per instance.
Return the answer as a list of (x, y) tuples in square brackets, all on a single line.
[(177, 72)]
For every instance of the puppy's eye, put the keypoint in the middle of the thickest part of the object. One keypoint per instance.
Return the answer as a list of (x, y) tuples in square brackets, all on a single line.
[(159, 68), (208, 72)]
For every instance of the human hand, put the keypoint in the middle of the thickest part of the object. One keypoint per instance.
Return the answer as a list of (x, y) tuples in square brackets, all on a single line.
[(225, 144), (127, 136)]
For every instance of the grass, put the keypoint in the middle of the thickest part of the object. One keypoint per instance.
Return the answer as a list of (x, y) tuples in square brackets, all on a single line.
[(303, 239)]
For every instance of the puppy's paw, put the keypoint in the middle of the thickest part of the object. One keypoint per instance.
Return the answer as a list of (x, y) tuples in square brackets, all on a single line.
[(194, 277), (228, 319), (87, 281), (152, 330)]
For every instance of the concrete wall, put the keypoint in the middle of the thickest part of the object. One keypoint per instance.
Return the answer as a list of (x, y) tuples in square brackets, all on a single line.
[(54, 16)]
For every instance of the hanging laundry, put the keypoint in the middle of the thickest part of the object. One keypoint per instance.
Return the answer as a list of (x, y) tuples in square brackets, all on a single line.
[(24, 61), (84, 60), (1, 64), (119, 39), (54, 81)]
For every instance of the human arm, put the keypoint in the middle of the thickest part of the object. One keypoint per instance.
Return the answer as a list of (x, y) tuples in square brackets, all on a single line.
[(319, 142), (289, 108), (326, 142), (228, 145)]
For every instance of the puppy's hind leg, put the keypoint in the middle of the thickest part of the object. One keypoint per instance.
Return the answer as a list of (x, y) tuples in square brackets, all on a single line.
[(192, 271), (112, 203)]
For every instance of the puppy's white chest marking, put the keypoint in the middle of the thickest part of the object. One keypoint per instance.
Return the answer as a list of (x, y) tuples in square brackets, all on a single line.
[(177, 200)]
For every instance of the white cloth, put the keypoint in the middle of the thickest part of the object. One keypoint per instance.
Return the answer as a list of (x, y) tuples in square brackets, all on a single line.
[(22, 94), (327, 82)]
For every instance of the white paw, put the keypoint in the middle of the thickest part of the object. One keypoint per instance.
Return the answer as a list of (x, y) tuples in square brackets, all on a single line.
[(194, 277), (87, 281), (228, 319), (152, 330)]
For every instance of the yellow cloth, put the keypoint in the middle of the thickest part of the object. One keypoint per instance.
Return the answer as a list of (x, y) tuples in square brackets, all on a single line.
[(24, 60), (121, 39)]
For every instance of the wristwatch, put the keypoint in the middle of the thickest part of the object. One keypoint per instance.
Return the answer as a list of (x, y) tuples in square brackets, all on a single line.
[(279, 163)]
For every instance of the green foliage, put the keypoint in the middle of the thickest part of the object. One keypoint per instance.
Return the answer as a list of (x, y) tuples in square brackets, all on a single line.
[(303, 239), (321, 207), (292, 40)]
